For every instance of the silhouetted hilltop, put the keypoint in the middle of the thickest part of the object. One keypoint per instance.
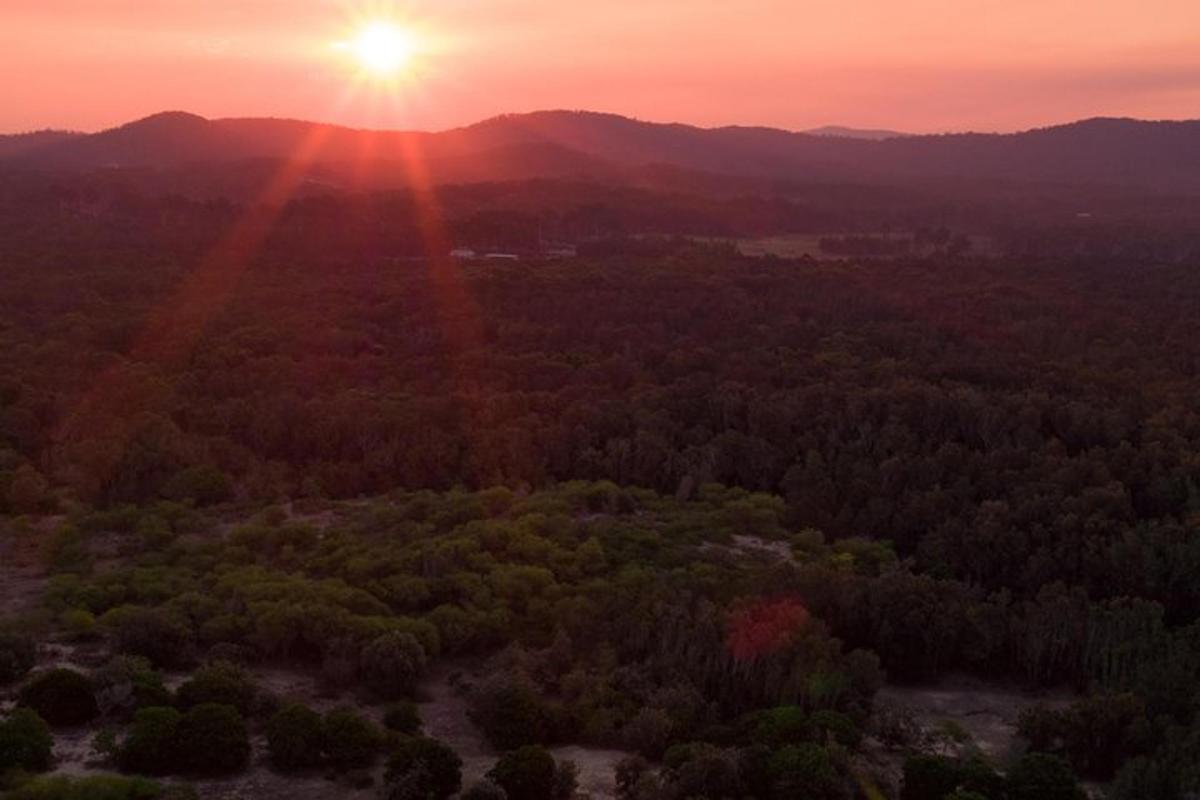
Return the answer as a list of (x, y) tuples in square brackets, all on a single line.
[(1157, 155)]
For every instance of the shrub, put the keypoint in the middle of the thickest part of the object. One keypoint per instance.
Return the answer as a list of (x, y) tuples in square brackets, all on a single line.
[(212, 739), (92, 787), (25, 742), (1038, 776), (351, 742), (150, 745), (649, 732), (426, 765), (61, 697), (529, 773), (220, 682), (79, 623), (511, 714), (17, 656), (152, 633), (295, 738), (403, 718), (204, 485), (392, 664), (128, 683)]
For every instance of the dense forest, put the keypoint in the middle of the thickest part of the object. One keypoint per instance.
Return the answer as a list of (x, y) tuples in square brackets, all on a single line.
[(683, 503)]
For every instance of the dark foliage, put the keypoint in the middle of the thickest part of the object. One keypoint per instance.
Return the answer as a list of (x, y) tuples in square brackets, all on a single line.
[(62, 697)]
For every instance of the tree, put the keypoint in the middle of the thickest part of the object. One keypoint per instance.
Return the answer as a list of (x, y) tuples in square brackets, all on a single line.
[(25, 742), (527, 773), (295, 738), (220, 682), (17, 656), (351, 742), (62, 697), (511, 713), (426, 765), (392, 664), (212, 739), (150, 746), (1038, 776), (152, 633), (402, 717)]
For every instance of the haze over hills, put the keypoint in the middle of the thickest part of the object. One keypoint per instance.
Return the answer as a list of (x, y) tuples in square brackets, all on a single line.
[(1147, 155)]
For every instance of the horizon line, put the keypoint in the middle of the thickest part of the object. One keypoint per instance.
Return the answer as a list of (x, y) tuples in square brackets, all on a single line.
[(584, 111)]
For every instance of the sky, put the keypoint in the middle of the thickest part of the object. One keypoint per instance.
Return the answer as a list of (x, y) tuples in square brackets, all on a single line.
[(911, 65)]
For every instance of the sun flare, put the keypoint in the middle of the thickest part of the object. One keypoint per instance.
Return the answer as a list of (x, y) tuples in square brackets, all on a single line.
[(383, 49)]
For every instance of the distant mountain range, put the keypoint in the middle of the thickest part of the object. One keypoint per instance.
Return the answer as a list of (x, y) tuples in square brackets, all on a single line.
[(1123, 152)]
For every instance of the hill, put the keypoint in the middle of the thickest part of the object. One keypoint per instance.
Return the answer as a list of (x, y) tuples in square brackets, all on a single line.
[(1124, 152)]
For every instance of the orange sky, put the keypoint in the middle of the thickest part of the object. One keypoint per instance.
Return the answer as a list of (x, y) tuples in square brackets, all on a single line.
[(919, 65)]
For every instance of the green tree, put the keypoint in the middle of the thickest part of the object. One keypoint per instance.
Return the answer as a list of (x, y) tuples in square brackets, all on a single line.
[(25, 742), (151, 743), (392, 664), (1038, 776), (61, 697), (211, 740), (351, 742), (295, 738), (427, 765)]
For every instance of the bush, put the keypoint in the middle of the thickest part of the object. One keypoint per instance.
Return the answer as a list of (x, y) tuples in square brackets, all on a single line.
[(295, 738), (79, 623), (392, 664), (25, 742), (511, 714), (649, 732), (220, 682), (402, 718), (529, 773), (204, 485), (128, 683), (212, 739), (17, 656), (150, 745), (427, 766), (351, 742), (152, 633), (1038, 776), (93, 787), (61, 697)]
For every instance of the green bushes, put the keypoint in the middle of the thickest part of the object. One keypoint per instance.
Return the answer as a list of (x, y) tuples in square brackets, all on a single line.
[(402, 717), (210, 739), (511, 713), (92, 787), (128, 683), (296, 738), (420, 767), (219, 682), (392, 664), (62, 697), (17, 656), (351, 742), (152, 633), (151, 743), (530, 773), (25, 742)]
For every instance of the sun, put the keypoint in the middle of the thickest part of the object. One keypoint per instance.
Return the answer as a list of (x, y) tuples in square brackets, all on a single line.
[(382, 49)]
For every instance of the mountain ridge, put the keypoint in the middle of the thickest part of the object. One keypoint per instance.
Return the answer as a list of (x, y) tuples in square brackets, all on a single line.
[(1099, 150)]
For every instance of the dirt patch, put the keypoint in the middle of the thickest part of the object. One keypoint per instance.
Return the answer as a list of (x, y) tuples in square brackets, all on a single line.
[(987, 712)]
